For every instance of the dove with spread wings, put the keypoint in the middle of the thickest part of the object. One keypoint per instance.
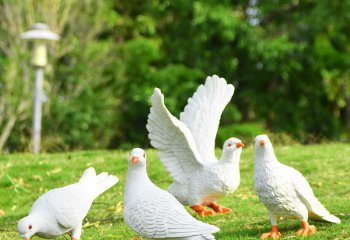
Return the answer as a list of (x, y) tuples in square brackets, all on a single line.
[(186, 147)]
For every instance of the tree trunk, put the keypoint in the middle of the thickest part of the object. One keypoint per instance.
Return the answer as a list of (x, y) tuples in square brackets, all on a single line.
[(6, 131), (347, 110), (347, 106)]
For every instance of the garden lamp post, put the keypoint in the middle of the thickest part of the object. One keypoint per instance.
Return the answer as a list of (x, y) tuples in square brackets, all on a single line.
[(39, 34)]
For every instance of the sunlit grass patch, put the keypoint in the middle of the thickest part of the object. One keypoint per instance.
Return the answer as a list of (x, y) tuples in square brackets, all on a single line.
[(24, 177)]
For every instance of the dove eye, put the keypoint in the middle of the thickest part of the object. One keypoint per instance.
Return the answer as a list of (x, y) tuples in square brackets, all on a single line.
[(144, 155), (229, 145), (30, 227)]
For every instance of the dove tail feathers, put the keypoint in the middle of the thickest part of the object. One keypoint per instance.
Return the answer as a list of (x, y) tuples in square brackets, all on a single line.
[(104, 182), (99, 183), (332, 219), (318, 212), (88, 174), (327, 218)]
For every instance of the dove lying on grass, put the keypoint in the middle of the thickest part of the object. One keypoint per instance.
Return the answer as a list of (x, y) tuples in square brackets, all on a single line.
[(62, 210), (186, 147), (154, 213), (285, 192)]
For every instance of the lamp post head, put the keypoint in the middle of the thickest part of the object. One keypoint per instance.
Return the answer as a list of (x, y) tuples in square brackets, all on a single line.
[(39, 34)]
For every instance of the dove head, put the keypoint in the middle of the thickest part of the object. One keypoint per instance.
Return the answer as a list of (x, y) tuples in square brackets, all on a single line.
[(27, 227), (137, 158), (262, 142), (232, 148), (263, 148)]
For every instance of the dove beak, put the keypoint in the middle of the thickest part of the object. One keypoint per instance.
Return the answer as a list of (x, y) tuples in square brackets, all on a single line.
[(238, 145), (135, 160), (262, 142)]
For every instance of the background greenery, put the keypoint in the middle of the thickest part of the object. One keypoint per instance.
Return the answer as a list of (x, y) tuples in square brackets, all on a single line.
[(289, 61), (24, 177)]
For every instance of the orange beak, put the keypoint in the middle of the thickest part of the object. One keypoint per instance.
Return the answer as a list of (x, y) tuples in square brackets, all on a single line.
[(262, 142), (238, 145), (135, 160)]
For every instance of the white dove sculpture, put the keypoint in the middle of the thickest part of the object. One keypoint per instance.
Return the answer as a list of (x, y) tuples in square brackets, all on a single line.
[(285, 192), (62, 210), (186, 147), (154, 213)]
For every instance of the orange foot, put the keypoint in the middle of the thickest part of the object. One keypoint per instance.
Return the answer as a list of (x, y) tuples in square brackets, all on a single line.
[(306, 230), (219, 209), (273, 234), (202, 211), (75, 239)]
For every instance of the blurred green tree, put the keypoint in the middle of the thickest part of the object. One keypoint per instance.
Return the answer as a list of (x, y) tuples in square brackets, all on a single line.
[(287, 59)]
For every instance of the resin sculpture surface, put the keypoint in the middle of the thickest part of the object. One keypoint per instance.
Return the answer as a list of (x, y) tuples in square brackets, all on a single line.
[(186, 146), (154, 213), (62, 210), (285, 192)]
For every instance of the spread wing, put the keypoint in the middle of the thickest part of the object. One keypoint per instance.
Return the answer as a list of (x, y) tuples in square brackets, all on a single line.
[(317, 211), (160, 215), (203, 112), (173, 139)]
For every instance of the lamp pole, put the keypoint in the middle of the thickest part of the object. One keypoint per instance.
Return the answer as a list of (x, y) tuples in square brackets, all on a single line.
[(39, 34)]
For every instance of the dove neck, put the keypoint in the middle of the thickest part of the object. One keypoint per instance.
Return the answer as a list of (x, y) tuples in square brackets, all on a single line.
[(229, 157), (37, 222), (137, 181), (265, 157)]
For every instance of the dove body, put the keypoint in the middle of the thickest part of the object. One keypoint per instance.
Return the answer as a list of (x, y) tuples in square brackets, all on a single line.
[(154, 213), (213, 181), (284, 191), (186, 146), (62, 210)]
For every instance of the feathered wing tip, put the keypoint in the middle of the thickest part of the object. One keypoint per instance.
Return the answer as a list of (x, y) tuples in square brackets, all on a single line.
[(209, 229), (200, 237), (216, 83), (157, 98), (157, 110), (203, 112), (205, 236), (213, 229), (89, 173)]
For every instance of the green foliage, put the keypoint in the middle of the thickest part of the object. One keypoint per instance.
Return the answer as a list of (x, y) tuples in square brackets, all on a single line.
[(24, 177), (244, 131), (288, 61)]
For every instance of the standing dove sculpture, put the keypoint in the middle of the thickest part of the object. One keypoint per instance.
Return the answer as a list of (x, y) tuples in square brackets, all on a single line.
[(154, 213), (285, 192), (62, 210), (186, 147)]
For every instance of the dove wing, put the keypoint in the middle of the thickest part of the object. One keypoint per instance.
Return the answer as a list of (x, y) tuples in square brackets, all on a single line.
[(203, 112), (317, 211), (69, 204), (160, 215), (173, 139)]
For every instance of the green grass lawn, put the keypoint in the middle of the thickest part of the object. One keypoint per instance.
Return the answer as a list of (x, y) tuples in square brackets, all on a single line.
[(23, 178)]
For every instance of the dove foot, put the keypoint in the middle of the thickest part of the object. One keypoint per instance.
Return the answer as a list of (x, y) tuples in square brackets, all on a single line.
[(306, 230), (274, 233), (218, 208), (202, 211)]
